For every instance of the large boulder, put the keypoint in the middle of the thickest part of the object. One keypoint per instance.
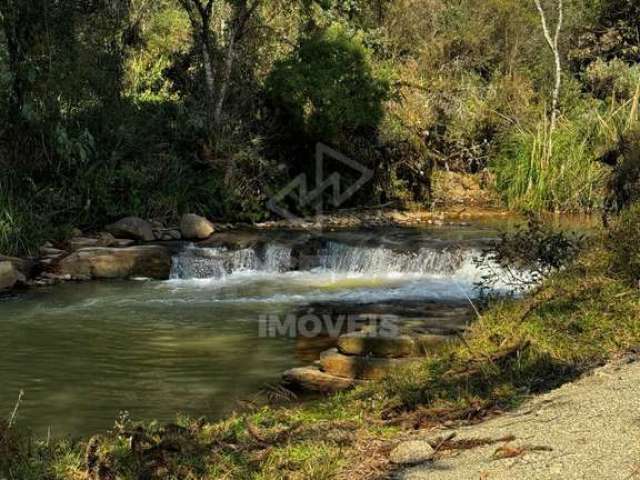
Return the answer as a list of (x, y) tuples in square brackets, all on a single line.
[(150, 261), (23, 267), (195, 227), (8, 275), (361, 368), (315, 380), (132, 227)]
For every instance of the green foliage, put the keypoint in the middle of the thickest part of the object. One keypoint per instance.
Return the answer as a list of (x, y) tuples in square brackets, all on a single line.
[(106, 108), (624, 183), (164, 33), (612, 32), (25, 219), (327, 86)]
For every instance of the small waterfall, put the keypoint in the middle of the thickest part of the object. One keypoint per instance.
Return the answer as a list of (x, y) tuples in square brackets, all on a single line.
[(378, 260), (201, 263), (277, 258)]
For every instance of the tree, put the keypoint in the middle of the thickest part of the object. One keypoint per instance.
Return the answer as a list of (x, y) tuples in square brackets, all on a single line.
[(553, 42), (20, 23), (212, 46), (327, 87)]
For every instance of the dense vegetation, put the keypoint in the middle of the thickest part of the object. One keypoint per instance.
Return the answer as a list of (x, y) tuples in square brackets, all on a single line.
[(154, 108)]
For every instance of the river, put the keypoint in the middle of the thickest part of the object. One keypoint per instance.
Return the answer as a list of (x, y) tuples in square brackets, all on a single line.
[(83, 352)]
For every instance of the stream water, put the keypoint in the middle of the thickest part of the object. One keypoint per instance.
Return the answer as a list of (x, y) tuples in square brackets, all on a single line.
[(84, 352)]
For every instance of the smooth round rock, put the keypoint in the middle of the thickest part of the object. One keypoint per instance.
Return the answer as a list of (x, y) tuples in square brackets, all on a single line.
[(411, 453), (132, 227), (195, 227), (8, 275)]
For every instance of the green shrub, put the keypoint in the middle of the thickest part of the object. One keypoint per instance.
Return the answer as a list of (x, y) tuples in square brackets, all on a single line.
[(24, 225), (327, 86), (624, 182)]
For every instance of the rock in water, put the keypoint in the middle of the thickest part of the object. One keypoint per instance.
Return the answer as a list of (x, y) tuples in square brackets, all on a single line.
[(8, 275), (376, 344), (411, 453), (195, 227), (151, 261), (132, 227)]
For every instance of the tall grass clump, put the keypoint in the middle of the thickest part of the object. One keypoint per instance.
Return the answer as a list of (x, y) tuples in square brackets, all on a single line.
[(563, 170), (567, 180)]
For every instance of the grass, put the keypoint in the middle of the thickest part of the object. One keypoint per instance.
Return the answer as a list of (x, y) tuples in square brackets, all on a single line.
[(579, 318), (570, 178)]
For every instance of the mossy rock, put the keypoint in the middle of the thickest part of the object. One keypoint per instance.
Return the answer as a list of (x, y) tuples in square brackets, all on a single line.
[(377, 345)]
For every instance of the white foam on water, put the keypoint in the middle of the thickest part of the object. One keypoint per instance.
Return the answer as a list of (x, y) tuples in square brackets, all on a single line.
[(342, 272)]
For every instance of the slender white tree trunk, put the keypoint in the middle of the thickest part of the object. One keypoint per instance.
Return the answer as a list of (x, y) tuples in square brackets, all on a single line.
[(553, 42)]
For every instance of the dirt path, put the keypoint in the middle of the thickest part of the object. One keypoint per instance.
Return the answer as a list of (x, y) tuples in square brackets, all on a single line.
[(587, 430)]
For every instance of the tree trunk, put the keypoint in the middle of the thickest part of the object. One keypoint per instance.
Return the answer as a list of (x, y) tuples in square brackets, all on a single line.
[(242, 15), (553, 43), (209, 75), (224, 84), (10, 26)]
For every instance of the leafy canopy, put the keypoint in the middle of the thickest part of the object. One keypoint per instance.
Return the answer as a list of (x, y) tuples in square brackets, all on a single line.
[(327, 87)]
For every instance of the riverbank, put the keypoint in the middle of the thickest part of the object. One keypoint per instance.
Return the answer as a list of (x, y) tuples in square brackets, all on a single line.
[(516, 349)]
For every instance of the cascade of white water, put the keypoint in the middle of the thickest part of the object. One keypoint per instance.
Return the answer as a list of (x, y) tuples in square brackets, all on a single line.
[(201, 263), (277, 258), (378, 260)]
